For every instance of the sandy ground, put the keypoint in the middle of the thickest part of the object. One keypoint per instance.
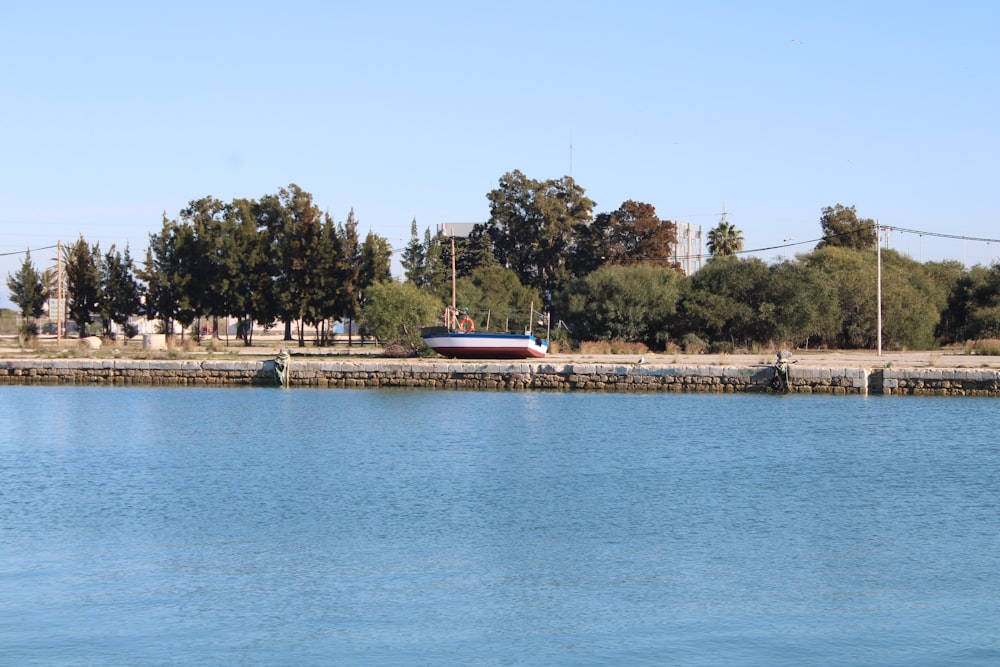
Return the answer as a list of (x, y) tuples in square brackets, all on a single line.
[(808, 358)]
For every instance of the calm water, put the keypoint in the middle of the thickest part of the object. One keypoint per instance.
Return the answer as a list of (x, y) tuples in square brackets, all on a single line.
[(259, 526)]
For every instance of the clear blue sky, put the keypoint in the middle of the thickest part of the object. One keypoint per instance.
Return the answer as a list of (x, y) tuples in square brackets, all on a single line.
[(113, 113)]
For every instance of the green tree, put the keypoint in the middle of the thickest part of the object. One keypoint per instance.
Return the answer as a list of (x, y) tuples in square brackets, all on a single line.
[(293, 225), (349, 270), (27, 290), (326, 298), (251, 267), (725, 240), (414, 259), (804, 311), (729, 302), (476, 252), (211, 277), (911, 299), (948, 277), (496, 299), (83, 283), (395, 313), (852, 275), (973, 310), (635, 302), (532, 226), (120, 292), (842, 228), (168, 273), (376, 262), (437, 270)]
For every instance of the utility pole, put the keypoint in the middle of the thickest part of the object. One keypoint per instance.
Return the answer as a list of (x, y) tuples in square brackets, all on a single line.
[(59, 295), (878, 253)]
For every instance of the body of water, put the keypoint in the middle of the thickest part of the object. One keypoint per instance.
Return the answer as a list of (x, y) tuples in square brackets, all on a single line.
[(150, 526)]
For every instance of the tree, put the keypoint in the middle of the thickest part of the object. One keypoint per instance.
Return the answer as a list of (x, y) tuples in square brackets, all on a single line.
[(250, 269), (168, 272), (293, 225), (725, 240), (120, 293), (207, 218), (437, 270), (629, 235), (851, 274), (635, 302), (414, 259), (349, 297), (804, 310), (325, 301), (395, 312), (532, 226), (497, 299), (842, 228), (729, 302), (27, 290), (376, 261), (83, 283), (948, 277), (973, 310), (476, 252)]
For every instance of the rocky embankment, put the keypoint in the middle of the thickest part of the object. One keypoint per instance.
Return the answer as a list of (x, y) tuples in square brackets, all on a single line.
[(827, 373)]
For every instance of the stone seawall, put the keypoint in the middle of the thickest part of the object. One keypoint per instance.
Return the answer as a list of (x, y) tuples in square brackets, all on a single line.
[(504, 376)]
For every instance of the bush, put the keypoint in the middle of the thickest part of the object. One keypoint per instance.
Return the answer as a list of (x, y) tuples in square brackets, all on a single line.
[(720, 347), (395, 312), (691, 344), (611, 347), (394, 349), (27, 332), (989, 347)]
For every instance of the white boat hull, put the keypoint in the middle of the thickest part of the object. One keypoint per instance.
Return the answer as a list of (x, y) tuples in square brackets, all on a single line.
[(486, 345)]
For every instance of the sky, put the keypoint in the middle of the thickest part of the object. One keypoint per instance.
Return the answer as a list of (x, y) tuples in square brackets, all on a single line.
[(114, 114)]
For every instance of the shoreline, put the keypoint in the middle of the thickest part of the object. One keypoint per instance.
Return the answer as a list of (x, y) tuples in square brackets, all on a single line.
[(912, 374), (944, 359)]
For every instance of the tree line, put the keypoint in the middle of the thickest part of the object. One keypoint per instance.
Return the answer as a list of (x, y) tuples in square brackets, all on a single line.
[(608, 276)]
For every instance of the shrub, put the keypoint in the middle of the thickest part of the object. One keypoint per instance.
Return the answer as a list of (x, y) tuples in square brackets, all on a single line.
[(692, 344), (720, 347), (989, 347), (27, 332)]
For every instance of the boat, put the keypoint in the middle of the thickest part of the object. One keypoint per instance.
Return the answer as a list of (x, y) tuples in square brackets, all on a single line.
[(458, 338), (459, 344)]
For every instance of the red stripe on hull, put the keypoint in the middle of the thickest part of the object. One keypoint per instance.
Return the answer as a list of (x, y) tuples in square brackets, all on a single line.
[(488, 353)]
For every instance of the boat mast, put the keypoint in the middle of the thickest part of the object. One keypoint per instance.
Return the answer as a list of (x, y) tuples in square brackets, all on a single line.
[(453, 270)]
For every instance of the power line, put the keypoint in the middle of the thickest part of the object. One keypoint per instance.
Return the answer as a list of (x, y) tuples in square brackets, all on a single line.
[(21, 252), (940, 235)]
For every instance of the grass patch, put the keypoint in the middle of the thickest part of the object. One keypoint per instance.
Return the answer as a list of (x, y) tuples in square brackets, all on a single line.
[(989, 347), (612, 347)]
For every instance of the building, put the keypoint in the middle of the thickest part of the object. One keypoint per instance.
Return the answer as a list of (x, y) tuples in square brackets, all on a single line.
[(688, 250)]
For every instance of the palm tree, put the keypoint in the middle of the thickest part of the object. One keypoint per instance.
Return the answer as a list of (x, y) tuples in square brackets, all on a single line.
[(725, 240)]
